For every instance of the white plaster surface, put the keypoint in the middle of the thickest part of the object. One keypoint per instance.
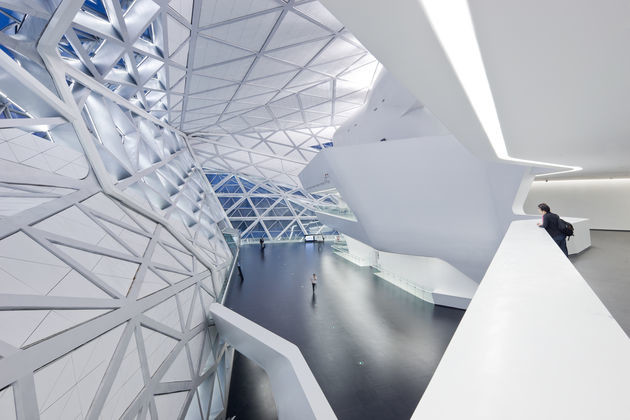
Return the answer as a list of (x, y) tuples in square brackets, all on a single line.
[(535, 343)]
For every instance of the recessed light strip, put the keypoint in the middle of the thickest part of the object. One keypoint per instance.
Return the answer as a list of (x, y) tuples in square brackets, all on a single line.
[(452, 23)]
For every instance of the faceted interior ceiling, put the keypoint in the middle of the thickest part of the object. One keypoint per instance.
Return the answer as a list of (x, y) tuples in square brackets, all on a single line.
[(259, 86), (266, 83)]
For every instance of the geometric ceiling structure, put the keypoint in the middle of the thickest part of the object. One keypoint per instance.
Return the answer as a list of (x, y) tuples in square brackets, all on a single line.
[(270, 65), (112, 239), (259, 87), (267, 84), (261, 209)]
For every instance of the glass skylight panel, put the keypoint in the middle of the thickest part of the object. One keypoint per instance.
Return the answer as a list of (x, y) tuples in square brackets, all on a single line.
[(247, 184), (253, 69), (231, 186), (228, 202), (264, 202), (256, 232), (261, 190)]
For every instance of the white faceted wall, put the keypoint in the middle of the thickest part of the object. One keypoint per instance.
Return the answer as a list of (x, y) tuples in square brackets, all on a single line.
[(108, 263)]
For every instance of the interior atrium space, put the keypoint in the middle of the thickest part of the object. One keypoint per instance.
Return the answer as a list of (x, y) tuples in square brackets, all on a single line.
[(314, 209)]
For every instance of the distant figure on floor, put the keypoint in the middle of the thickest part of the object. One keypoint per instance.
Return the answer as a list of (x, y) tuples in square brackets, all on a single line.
[(551, 223), (314, 281), (240, 272), (262, 243)]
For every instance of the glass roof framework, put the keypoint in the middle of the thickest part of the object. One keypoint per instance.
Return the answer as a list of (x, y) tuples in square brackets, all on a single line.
[(107, 204), (258, 86), (261, 209), (104, 187), (267, 84)]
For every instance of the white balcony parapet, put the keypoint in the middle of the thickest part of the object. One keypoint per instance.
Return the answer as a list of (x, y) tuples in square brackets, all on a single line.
[(296, 392), (535, 343)]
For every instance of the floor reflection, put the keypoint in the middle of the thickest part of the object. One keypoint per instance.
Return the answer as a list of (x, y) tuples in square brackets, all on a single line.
[(371, 346)]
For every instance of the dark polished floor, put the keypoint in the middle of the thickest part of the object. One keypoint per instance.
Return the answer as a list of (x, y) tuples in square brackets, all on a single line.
[(250, 392), (372, 347), (606, 268)]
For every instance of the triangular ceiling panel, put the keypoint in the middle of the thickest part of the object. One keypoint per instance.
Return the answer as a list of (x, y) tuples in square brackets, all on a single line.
[(295, 29), (298, 55), (221, 67), (214, 11), (233, 70), (208, 51), (248, 33)]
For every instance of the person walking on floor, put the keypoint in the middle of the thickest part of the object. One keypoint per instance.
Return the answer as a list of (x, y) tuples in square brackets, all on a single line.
[(262, 243), (551, 223), (314, 281)]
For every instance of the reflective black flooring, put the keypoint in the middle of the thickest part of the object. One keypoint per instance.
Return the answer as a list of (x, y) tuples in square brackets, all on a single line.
[(606, 268), (371, 346), (250, 391)]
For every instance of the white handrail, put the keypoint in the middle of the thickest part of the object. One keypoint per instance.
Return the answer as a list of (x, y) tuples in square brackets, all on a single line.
[(296, 392), (535, 343)]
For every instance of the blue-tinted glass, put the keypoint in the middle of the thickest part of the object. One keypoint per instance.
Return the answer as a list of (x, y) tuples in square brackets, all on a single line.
[(273, 208), (148, 34), (14, 111), (42, 134), (120, 64), (257, 232), (216, 178), (11, 14), (261, 190), (324, 145), (88, 41), (7, 51), (262, 203), (65, 49), (242, 225), (280, 210), (298, 208), (244, 209), (9, 18), (228, 202), (96, 7), (230, 187), (276, 227), (246, 184)]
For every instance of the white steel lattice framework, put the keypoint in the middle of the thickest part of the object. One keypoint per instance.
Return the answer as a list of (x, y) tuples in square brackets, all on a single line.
[(260, 84), (110, 241), (261, 209), (267, 83)]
